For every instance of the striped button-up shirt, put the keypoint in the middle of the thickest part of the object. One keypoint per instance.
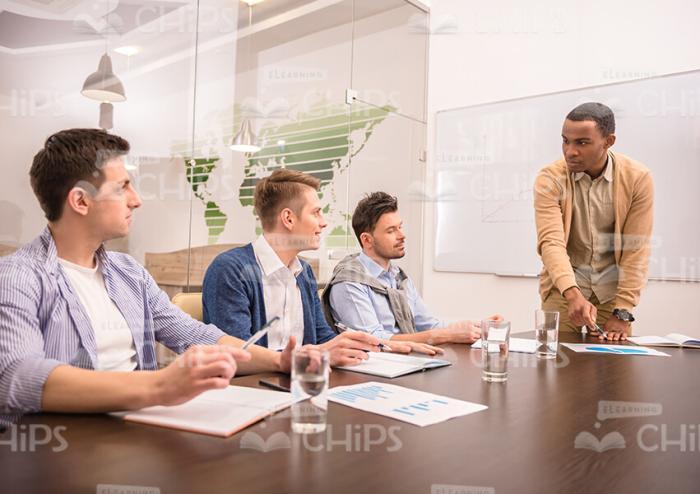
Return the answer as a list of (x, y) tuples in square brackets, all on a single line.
[(43, 324)]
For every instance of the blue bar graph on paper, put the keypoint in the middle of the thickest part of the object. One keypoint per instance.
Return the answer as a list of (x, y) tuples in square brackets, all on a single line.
[(423, 406), (416, 407), (377, 392), (368, 393), (602, 349)]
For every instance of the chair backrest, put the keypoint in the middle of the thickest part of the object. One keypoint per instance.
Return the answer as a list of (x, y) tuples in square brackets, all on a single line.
[(6, 250), (190, 303), (170, 269)]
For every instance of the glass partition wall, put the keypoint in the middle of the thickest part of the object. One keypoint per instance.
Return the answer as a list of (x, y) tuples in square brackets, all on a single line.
[(333, 88)]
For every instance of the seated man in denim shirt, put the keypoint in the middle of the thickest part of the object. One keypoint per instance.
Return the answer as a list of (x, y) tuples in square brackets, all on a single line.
[(368, 292), (78, 324)]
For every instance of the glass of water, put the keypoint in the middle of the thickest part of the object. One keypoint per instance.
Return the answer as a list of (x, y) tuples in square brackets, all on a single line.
[(547, 333), (310, 369), (495, 336)]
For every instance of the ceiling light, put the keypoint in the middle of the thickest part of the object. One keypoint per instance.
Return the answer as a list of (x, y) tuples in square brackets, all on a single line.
[(103, 85), (129, 50), (244, 141)]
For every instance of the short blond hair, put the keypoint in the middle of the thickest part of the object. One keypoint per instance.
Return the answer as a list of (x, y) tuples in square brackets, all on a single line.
[(283, 189)]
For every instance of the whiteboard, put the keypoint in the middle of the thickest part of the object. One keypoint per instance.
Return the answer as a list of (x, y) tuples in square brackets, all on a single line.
[(487, 157)]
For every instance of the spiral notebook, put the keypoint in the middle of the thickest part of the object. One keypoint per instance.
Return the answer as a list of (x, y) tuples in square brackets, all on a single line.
[(670, 340), (393, 365), (218, 412)]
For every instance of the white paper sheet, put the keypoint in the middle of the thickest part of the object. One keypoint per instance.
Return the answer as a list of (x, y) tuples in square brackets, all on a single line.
[(613, 349), (408, 405), (518, 345)]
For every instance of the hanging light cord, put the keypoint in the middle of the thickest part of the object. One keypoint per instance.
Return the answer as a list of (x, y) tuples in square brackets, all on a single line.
[(190, 170)]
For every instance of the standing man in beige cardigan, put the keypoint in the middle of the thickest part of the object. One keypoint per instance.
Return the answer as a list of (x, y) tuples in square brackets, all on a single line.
[(593, 210)]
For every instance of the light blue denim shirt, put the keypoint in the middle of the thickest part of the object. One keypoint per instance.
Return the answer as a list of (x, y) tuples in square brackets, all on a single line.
[(359, 307), (43, 323)]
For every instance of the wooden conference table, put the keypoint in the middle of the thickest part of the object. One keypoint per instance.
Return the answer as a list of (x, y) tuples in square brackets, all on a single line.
[(523, 443)]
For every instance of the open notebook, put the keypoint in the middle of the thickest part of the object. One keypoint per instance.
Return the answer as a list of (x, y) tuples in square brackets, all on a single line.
[(218, 412), (394, 365), (671, 339)]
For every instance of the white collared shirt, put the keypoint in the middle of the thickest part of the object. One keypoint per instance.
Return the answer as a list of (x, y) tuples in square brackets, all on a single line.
[(281, 295)]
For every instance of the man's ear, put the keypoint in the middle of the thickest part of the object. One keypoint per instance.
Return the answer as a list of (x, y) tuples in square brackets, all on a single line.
[(365, 239), (609, 140), (288, 218), (78, 200)]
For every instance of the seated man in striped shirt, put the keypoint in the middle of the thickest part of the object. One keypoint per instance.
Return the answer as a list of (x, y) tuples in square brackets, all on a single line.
[(69, 308)]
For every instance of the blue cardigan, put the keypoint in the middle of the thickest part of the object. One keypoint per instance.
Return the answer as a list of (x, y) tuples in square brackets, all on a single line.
[(232, 297)]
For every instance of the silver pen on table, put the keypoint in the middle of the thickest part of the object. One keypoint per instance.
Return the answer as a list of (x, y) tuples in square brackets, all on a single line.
[(600, 330)]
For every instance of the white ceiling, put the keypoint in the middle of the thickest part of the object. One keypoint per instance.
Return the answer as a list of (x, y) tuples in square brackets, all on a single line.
[(36, 26), (77, 21)]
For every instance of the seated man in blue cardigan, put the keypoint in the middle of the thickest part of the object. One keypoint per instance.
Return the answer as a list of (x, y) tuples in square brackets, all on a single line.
[(246, 286)]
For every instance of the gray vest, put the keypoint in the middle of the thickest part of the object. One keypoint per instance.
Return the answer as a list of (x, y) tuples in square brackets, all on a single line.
[(350, 269)]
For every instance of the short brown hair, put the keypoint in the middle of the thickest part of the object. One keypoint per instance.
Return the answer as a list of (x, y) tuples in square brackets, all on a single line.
[(369, 210), (68, 157), (280, 190)]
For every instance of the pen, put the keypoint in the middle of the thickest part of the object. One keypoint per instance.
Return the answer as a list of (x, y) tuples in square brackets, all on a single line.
[(601, 331), (260, 333), (342, 328), (273, 385)]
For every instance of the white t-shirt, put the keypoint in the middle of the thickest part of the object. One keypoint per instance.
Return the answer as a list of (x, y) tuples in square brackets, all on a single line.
[(281, 295), (115, 344)]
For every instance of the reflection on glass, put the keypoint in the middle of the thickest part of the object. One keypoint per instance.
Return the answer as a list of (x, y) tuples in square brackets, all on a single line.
[(390, 55), (192, 72)]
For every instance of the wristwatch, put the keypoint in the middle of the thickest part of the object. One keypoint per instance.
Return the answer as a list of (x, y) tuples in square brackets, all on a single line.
[(623, 315)]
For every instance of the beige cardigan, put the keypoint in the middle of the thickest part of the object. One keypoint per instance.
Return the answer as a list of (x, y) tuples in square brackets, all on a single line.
[(633, 200)]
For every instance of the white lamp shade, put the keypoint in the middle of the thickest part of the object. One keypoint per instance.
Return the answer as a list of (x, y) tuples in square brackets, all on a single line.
[(245, 140), (103, 85)]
